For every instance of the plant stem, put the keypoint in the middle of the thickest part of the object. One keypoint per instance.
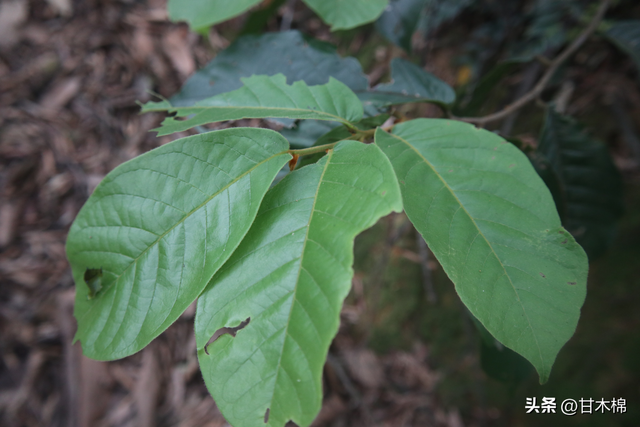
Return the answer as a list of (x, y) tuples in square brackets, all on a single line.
[(313, 150), (546, 77)]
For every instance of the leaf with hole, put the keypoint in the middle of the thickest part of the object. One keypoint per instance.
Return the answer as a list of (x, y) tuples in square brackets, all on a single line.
[(265, 97), (491, 222), (158, 227), (289, 277)]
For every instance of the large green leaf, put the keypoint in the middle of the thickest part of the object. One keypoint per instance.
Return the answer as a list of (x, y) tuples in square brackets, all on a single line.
[(289, 277), (626, 35), (409, 83), (590, 187), (204, 13), (342, 15), (400, 20), (263, 97), (491, 222), (289, 53), (158, 227)]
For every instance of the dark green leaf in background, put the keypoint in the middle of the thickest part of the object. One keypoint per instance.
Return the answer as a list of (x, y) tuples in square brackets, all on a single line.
[(400, 20), (290, 276), (438, 12), (264, 97), (409, 83), (626, 35), (491, 222), (289, 53), (590, 186), (159, 226)]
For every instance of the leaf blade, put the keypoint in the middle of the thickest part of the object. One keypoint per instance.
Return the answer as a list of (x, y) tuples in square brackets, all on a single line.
[(266, 97), (342, 15), (504, 249), (409, 83), (143, 228), (204, 13), (290, 276)]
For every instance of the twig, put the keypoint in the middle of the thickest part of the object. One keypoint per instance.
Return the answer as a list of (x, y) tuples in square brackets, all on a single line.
[(551, 70)]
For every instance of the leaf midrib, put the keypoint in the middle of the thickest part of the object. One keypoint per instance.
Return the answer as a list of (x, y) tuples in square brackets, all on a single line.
[(182, 112), (480, 232), (300, 268), (160, 237)]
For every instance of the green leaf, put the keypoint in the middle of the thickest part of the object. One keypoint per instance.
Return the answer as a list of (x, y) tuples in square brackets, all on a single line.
[(342, 15), (410, 83), (204, 13), (491, 222), (626, 35), (289, 277), (590, 184), (400, 20), (159, 227), (264, 97), (289, 53)]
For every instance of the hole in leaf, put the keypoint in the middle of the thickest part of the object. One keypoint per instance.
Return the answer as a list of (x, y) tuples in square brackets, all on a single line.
[(231, 331), (93, 280), (266, 416)]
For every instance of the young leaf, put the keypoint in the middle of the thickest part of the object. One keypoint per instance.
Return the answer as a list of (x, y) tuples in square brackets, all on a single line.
[(410, 83), (158, 227), (204, 13), (590, 184), (264, 97), (289, 53), (289, 277), (491, 222), (342, 15)]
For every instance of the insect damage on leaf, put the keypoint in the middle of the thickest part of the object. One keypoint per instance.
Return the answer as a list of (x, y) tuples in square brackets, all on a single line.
[(231, 331), (93, 279)]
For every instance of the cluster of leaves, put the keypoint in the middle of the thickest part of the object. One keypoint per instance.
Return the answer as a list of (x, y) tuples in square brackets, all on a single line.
[(200, 219)]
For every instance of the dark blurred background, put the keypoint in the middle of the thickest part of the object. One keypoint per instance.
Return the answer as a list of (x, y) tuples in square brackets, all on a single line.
[(407, 354)]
